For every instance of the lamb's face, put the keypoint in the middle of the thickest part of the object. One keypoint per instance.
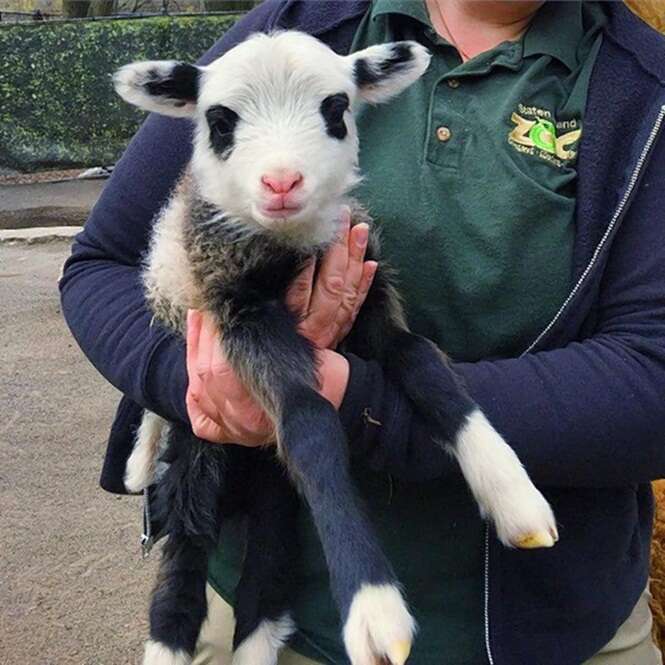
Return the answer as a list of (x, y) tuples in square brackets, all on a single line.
[(275, 143)]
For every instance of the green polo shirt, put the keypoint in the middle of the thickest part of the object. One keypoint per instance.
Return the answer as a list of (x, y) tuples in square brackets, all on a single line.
[(472, 171), (471, 174)]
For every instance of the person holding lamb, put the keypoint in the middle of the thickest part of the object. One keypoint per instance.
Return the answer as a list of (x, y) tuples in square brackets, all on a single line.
[(519, 185)]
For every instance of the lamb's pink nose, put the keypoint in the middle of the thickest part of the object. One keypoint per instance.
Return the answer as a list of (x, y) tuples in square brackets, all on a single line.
[(282, 183)]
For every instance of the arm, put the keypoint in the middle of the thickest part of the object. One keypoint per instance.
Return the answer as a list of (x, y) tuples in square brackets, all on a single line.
[(101, 292), (589, 414)]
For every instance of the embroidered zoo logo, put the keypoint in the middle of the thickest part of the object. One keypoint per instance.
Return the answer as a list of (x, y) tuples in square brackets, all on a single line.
[(537, 133)]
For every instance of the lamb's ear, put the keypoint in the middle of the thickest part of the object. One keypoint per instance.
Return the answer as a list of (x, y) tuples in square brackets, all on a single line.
[(384, 70), (163, 86)]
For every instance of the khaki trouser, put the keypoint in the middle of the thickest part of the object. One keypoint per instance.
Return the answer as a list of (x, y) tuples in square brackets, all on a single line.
[(631, 645)]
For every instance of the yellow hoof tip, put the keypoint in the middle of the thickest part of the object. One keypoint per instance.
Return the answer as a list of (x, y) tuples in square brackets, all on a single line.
[(533, 541), (399, 652)]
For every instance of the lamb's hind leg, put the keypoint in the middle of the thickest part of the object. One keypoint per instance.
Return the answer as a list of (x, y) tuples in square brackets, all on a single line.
[(188, 497), (262, 607), (140, 469), (279, 367), (497, 479)]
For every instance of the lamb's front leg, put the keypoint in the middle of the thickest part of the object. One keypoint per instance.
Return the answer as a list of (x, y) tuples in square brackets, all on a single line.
[(500, 484), (278, 365)]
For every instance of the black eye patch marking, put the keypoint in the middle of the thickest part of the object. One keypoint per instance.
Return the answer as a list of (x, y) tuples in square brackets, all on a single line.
[(222, 122), (332, 109), (365, 73), (181, 83)]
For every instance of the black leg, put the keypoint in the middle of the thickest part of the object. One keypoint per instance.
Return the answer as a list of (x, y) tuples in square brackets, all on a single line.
[(262, 608), (277, 364), (187, 504), (380, 332), (430, 382)]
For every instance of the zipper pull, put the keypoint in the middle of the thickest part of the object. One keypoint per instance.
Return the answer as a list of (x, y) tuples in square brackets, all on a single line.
[(146, 545), (147, 541)]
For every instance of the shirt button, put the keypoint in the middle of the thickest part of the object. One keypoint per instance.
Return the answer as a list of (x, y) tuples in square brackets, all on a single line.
[(453, 83), (443, 134)]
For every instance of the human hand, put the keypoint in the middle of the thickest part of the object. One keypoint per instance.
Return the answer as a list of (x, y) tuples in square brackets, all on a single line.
[(329, 304), (220, 408)]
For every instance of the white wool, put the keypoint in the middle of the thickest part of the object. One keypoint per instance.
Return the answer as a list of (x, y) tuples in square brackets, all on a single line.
[(140, 469), (159, 654), (263, 645), (501, 486)]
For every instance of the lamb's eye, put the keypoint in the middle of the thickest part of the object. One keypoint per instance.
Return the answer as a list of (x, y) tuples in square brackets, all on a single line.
[(222, 122), (333, 109)]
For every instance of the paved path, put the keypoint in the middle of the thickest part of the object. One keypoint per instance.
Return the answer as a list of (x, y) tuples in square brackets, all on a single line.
[(65, 203), (73, 589)]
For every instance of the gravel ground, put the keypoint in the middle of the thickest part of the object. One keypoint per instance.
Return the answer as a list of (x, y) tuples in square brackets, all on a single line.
[(73, 588)]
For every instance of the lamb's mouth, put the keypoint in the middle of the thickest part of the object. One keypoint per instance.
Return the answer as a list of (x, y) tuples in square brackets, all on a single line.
[(286, 212)]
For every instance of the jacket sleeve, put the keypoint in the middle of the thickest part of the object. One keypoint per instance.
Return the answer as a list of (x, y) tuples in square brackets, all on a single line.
[(101, 292), (589, 414)]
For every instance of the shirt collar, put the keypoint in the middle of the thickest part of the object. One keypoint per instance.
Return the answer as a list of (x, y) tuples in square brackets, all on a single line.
[(556, 29), (414, 8)]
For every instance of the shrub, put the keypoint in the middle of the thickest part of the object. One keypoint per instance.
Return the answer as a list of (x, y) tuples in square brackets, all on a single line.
[(57, 105)]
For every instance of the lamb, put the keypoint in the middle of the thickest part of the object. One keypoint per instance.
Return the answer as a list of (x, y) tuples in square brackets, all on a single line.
[(275, 157)]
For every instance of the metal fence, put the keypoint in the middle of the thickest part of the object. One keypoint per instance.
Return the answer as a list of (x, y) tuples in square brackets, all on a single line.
[(18, 17)]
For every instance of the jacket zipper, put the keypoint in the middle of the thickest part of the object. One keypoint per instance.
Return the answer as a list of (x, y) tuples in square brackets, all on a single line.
[(655, 130), (486, 603), (613, 222)]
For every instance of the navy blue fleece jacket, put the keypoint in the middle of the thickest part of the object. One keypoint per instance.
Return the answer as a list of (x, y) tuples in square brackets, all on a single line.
[(584, 406)]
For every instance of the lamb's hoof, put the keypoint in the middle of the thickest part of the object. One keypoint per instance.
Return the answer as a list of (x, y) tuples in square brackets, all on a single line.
[(399, 652), (157, 653), (262, 646), (533, 541), (379, 628), (523, 518)]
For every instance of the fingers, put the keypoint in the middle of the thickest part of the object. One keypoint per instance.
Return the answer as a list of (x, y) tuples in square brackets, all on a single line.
[(192, 347), (354, 270), (202, 411), (202, 425), (300, 292), (220, 408), (345, 325), (369, 270), (340, 288), (206, 345), (193, 332), (329, 287), (222, 379)]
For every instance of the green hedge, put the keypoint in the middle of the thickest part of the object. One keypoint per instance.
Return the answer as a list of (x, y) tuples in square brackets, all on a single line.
[(57, 105)]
